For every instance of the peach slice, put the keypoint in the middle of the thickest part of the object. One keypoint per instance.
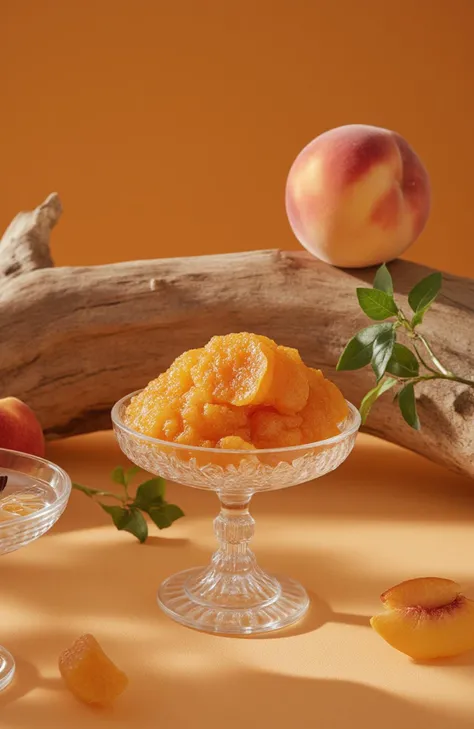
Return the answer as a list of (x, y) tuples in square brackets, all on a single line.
[(290, 388), (90, 674), (236, 369), (426, 618)]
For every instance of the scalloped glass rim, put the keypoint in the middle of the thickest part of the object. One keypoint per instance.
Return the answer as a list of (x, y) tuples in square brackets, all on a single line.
[(350, 426), (62, 498)]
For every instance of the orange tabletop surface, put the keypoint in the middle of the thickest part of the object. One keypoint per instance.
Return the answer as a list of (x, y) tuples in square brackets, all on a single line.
[(384, 516)]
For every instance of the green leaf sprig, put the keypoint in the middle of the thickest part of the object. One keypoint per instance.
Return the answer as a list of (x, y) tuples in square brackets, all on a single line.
[(377, 344), (128, 515)]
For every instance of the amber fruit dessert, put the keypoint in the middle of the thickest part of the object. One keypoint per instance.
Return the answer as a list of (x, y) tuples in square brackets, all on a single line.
[(239, 391)]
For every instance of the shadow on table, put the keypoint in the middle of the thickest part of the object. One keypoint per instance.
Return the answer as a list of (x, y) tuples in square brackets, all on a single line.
[(232, 699), (80, 572), (258, 699), (319, 614), (464, 660), (27, 678)]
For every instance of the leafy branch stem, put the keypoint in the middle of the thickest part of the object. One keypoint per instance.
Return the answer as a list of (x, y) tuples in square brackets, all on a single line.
[(440, 376), (149, 499), (434, 358), (441, 372), (423, 362), (376, 344)]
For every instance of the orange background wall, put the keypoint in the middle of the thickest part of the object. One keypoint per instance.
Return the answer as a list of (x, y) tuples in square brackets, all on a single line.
[(168, 128)]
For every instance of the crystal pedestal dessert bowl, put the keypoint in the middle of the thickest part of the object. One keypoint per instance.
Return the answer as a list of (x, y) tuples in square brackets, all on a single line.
[(33, 497), (233, 595)]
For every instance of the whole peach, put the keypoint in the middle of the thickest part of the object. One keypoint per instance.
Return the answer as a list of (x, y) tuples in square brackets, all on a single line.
[(20, 429), (357, 196)]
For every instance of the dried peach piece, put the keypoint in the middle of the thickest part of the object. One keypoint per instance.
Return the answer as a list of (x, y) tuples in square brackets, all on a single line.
[(89, 673), (213, 421), (325, 408), (290, 388), (427, 618), (216, 392), (156, 410), (270, 429), (192, 437), (235, 443), (236, 369)]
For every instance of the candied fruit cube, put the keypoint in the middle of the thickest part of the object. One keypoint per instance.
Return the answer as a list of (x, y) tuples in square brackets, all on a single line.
[(89, 673)]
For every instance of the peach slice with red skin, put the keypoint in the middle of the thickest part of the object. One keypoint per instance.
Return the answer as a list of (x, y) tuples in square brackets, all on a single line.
[(426, 618)]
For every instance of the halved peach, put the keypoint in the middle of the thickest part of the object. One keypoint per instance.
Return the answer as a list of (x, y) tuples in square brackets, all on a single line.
[(426, 618)]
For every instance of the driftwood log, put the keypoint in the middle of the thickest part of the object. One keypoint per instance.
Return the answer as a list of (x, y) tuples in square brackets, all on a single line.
[(74, 340)]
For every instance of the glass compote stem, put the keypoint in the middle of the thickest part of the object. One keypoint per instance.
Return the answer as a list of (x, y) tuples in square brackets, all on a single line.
[(233, 594), (233, 579)]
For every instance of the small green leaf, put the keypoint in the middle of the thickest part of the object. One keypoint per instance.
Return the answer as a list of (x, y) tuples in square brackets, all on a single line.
[(91, 492), (130, 473), (358, 351), (382, 351), (164, 516), (407, 404), (119, 514), (373, 395), (403, 362), (174, 512), (383, 280), (417, 318), (376, 304), (128, 520), (136, 525), (159, 517), (423, 294), (118, 476), (150, 492)]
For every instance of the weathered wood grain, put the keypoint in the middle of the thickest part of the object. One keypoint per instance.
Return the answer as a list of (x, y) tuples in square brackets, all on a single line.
[(74, 340)]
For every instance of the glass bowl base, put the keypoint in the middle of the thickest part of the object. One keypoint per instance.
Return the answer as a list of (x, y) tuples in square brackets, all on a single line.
[(7, 668), (174, 599)]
